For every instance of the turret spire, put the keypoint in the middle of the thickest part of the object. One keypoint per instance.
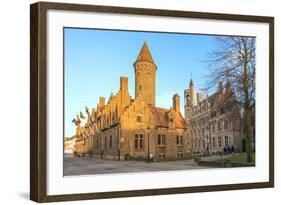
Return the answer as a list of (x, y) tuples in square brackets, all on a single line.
[(191, 82), (145, 54)]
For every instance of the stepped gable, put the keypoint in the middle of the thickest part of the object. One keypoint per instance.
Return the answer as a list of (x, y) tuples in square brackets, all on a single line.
[(161, 117)]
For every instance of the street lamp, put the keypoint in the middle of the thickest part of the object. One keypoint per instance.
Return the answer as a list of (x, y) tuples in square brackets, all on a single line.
[(121, 145), (204, 147), (148, 154), (119, 142)]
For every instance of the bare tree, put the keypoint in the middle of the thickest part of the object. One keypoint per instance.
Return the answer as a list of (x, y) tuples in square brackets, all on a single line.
[(234, 62)]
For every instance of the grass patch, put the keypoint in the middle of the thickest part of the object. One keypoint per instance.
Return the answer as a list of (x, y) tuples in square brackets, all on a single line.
[(241, 157)]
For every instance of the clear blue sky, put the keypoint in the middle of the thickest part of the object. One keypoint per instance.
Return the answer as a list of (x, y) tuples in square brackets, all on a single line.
[(95, 60)]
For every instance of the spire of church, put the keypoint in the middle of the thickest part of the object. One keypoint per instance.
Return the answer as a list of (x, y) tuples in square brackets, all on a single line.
[(144, 54), (191, 82)]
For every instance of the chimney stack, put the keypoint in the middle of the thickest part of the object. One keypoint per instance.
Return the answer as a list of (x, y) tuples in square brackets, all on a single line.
[(199, 98), (176, 103), (102, 102), (123, 83), (220, 87)]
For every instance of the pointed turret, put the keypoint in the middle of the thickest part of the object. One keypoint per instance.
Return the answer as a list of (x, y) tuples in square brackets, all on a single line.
[(145, 76), (145, 55)]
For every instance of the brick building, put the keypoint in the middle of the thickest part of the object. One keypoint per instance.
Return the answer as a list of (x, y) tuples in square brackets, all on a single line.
[(127, 127)]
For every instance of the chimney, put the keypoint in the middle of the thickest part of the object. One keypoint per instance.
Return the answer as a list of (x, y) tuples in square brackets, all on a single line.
[(176, 103), (220, 87), (228, 90), (102, 102), (199, 98), (123, 83), (220, 91), (93, 114)]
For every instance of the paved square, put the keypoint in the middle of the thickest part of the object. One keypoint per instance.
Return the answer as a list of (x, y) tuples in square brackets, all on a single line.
[(89, 166)]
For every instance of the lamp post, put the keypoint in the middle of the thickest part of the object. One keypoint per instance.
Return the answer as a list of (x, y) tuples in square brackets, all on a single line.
[(204, 148), (119, 142), (148, 135)]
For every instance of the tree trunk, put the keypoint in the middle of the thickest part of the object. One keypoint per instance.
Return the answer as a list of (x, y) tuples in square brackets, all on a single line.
[(247, 111), (247, 135)]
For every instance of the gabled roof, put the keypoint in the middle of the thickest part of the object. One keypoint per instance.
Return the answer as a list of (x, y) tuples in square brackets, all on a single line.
[(161, 117), (211, 99), (145, 54)]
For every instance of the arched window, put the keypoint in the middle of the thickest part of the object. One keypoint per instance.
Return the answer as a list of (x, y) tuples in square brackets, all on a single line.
[(187, 103), (225, 125), (171, 119), (219, 125)]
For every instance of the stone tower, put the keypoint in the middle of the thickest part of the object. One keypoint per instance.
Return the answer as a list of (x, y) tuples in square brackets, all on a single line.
[(188, 101), (145, 76)]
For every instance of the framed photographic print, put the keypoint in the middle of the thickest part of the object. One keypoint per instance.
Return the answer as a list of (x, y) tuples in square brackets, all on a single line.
[(134, 102)]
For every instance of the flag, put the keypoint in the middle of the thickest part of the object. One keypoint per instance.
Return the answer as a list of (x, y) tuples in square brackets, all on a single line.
[(87, 110), (78, 120), (81, 115), (74, 121)]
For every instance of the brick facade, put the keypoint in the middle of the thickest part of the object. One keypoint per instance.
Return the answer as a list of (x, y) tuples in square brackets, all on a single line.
[(126, 128)]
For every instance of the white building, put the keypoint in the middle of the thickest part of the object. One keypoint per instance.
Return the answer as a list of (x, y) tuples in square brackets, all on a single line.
[(214, 122)]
